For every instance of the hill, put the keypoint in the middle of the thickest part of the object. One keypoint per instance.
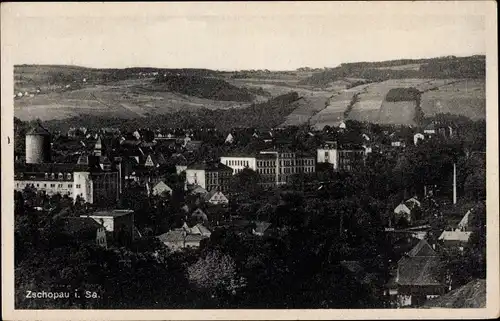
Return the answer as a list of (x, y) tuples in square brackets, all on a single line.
[(352, 91), (267, 114), (441, 68)]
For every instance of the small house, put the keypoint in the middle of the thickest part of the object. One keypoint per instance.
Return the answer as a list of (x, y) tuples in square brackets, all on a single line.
[(216, 197), (161, 189)]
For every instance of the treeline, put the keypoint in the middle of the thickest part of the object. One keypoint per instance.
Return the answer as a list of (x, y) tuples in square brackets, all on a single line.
[(402, 94), (268, 114), (448, 67), (209, 88)]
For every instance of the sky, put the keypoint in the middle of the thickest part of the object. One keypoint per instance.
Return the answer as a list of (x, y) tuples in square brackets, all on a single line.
[(245, 36)]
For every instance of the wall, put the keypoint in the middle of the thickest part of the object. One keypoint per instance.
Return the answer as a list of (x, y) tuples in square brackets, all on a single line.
[(196, 176), (239, 163), (83, 186), (332, 157), (62, 187)]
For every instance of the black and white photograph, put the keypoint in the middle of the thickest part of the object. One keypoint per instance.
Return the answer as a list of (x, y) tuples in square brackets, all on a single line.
[(267, 156)]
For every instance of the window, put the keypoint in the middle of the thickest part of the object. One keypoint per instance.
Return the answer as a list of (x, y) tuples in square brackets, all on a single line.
[(70, 185), (52, 185), (44, 185), (68, 176), (46, 175), (60, 176), (37, 185), (78, 186), (52, 176)]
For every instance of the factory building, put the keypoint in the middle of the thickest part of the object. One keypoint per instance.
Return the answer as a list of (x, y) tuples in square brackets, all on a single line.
[(93, 178)]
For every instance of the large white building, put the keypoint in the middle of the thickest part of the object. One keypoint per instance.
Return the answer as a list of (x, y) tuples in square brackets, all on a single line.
[(92, 178), (239, 163)]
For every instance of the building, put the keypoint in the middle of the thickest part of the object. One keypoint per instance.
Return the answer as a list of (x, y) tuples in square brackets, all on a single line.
[(238, 163), (85, 230), (342, 158), (216, 198), (409, 210), (93, 178), (457, 239), (38, 149), (88, 181), (185, 237), (417, 279), (210, 176), (277, 167), (119, 224), (161, 189)]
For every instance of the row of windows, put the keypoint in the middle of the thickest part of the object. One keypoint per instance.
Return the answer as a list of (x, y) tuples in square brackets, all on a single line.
[(237, 163), (44, 185), (286, 170)]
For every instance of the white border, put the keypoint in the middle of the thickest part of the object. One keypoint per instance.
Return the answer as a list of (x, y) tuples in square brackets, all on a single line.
[(10, 10)]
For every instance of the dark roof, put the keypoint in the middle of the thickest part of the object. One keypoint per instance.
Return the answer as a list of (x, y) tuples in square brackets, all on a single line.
[(38, 129), (472, 296), (211, 166), (423, 248), (113, 213), (83, 227), (418, 270), (39, 170)]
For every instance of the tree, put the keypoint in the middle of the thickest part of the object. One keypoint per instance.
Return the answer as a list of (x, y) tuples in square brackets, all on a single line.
[(216, 272)]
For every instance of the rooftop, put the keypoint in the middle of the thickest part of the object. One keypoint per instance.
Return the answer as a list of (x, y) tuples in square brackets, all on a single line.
[(111, 213), (472, 295), (38, 129)]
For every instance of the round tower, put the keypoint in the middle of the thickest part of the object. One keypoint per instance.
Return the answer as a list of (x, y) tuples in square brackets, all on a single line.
[(37, 145)]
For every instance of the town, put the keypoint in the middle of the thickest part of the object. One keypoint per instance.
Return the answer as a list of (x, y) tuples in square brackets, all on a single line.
[(357, 215)]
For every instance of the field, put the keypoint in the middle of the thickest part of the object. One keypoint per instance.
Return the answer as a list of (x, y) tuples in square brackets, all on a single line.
[(397, 113), (464, 97), (371, 106), (60, 92)]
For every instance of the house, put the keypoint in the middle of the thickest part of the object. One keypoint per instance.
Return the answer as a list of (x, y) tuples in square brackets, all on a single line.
[(260, 228), (185, 237), (161, 189), (118, 223), (216, 197), (209, 175), (174, 240), (408, 210), (469, 296), (85, 230), (198, 190), (417, 277), (455, 238), (342, 125), (430, 130), (463, 225), (229, 139)]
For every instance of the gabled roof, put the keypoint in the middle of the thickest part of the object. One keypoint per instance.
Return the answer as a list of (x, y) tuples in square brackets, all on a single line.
[(172, 236), (199, 190), (208, 196), (459, 236), (261, 227), (418, 270), (464, 222), (472, 296), (162, 186), (422, 249), (82, 227)]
